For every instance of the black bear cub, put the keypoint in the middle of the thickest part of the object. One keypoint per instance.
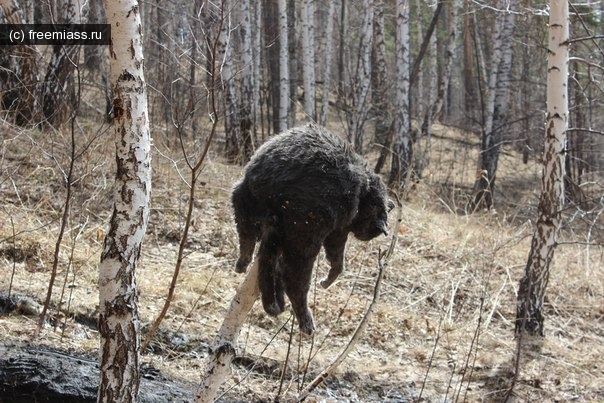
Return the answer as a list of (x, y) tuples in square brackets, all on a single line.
[(303, 189)]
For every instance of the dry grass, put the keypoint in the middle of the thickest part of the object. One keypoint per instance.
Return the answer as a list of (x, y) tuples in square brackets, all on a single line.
[(443, 330)]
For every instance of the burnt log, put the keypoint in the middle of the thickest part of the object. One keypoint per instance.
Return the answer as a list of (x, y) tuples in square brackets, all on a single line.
[(33, 374)]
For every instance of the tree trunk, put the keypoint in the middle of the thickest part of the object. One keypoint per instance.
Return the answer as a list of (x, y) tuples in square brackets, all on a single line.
[(379, 87), (19, 75), (283, 67), (118, 318), (257, 76), (224, 59), (59, 83), (416, 94), (469, 75), (496, 110), (525, 85), (328, 57), (308, 58), (434, 108), (357, 114), (293, 49), (531, 294), (272, 39), (344, 53), (218, 363), (401, 156), (246, 103), (94, 56)]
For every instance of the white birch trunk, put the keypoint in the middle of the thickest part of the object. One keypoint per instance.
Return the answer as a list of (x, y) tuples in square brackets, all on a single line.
[(308, 57), (438, 88), (401, 158), (218, 363), (343, 54), (283, 66), (496, 108), (360, 97), (247, 117), (380, 104), (529, 308), (258, 77), (224, 59), (118, 318), (329, 37)]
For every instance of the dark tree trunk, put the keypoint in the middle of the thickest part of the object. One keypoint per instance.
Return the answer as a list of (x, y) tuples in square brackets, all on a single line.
[(271, 35), (18, 72), (59, 86)]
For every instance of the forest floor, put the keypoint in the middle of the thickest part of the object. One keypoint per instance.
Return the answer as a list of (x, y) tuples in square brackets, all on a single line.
[(443, 329)]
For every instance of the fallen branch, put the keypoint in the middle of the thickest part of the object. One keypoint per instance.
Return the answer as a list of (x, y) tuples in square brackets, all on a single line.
[(218, 362)]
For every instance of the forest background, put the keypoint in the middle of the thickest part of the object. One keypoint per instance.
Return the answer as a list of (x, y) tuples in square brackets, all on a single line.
[(447, 100)]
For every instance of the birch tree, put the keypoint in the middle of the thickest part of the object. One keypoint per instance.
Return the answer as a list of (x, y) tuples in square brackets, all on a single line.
[(283, 66), (329, 38), (379, 86), (246, 105), (438, 86), (218, 362), (118, 292), (344, 51), (401, 156), (357, 114), (496, 107), (59, 84), (258, 77), (531, 294), (227, 76), (293, 27), (308, 57), (272, 39)]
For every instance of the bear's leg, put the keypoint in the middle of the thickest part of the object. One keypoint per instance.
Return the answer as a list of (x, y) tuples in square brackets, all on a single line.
[(296, 272), (334, 246), (268, 282)]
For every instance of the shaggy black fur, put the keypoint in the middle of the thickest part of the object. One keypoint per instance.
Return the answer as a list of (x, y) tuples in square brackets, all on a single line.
[(304, 189)]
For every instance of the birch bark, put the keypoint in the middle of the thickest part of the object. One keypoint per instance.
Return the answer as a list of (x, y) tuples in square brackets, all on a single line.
[(118, 293), (224, 58), (531, 294), (401, 156), (308, 52), (283, 67), (360, 97), (246, 104), (438, 89), (328, 58), (496, 108)]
